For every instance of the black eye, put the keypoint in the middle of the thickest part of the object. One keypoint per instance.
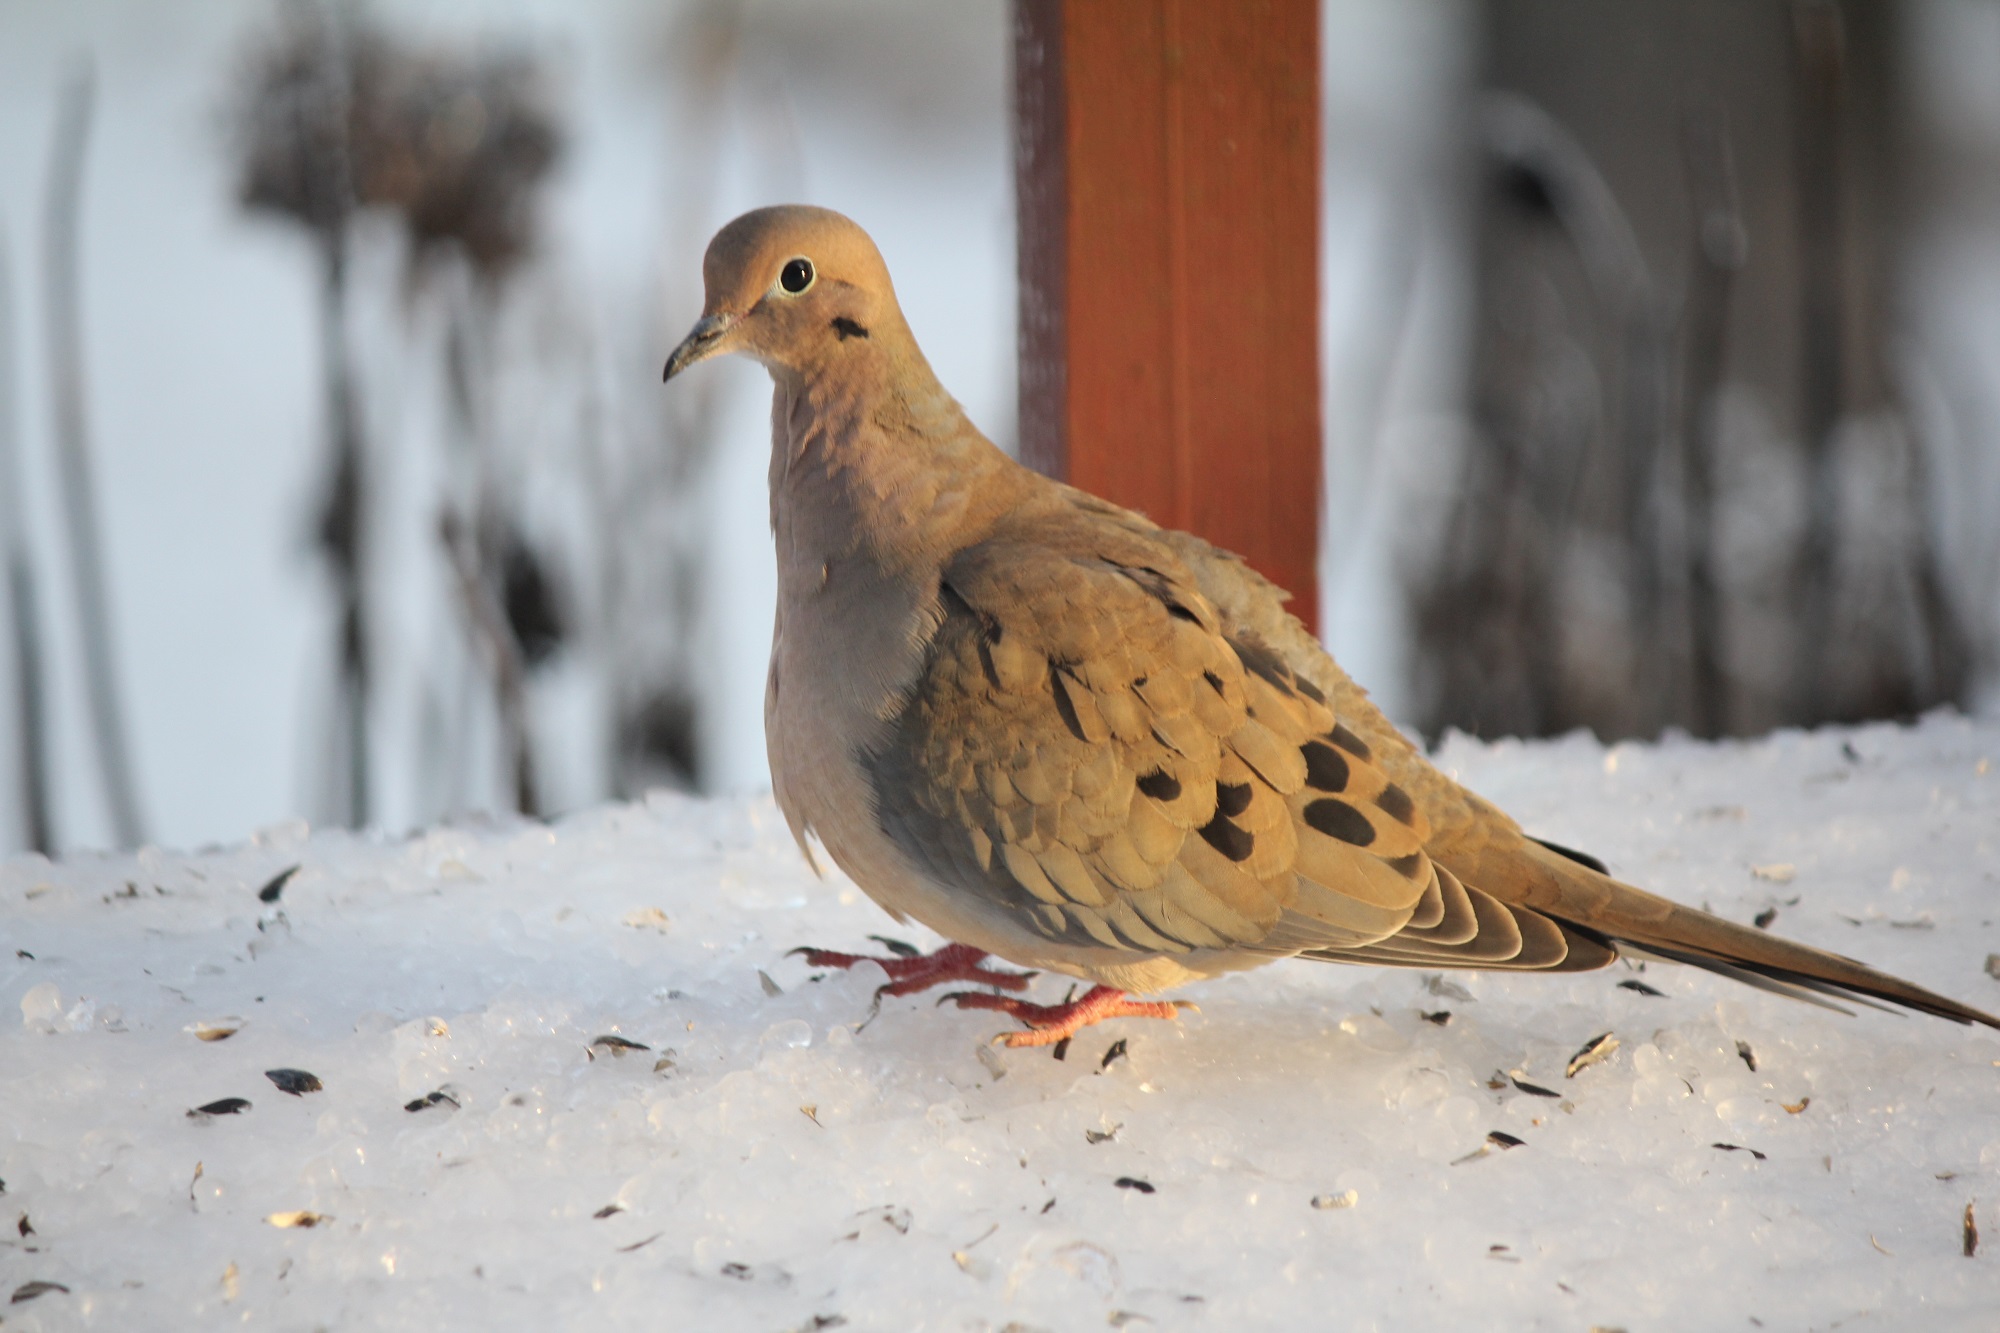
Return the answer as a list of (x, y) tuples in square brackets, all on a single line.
[(797, 275)]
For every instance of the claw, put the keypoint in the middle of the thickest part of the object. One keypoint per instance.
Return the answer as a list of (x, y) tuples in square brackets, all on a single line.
[(914, 972), (1051, 1024)]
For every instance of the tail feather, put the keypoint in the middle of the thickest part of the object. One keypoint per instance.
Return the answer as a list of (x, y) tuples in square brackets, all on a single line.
[(1563, 885)]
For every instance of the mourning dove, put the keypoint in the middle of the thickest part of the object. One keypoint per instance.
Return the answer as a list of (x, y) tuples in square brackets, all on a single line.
[(1055, 732)]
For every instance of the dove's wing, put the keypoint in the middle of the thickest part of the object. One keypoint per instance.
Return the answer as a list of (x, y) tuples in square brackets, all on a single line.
[(1474, 843), (1090, 749)]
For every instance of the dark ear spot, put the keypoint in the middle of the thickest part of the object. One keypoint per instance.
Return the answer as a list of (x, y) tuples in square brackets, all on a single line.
[(847, 328)]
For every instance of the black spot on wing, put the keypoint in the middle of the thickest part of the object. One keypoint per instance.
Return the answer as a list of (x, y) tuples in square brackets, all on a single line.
[(1581, 858), (1232, 798), (1396, 803), (1161, 785), (1063, 704), (1338, 819), (1326, 767), (1349, 742), (1308, 689), (1159, 587), (1228, 839), (1256, 657), (846, 328)]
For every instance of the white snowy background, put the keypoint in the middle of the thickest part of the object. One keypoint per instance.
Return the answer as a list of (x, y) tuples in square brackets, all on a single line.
[(1310, 1150)]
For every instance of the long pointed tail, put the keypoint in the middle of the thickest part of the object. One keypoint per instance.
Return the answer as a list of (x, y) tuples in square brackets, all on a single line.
[(1572, 888)]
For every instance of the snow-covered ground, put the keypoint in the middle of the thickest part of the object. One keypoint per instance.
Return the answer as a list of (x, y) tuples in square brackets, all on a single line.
[(1310, 1150)]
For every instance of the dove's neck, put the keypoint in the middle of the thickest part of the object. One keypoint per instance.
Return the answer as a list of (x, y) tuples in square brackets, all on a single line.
[(879, 464)]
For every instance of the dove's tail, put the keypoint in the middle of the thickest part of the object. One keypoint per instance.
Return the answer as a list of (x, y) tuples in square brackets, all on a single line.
[(1573, 889)]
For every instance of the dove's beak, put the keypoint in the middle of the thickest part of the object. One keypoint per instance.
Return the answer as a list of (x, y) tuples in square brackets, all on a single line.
[(702, 342)]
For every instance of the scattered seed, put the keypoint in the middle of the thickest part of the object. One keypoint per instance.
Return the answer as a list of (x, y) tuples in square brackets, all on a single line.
[(269, 893), (640, 1244), (297, 1082), (901, 948), (1597, 1049), (1441, 1017), (215, 1029), (1094, 1136), (1061, 1051), (23, 953), (1500, 1138), (302, 1217), (25, 1227), (616, 1044), (27, 1291), (1047, 1206), (1532, 1089), (1640, 986), (227, 1106), (771, 988), (1777, 872), (1117, 1051), (811, 1112), (1134, 1183), (1764, 918), (663, 1064), (1344, 1199), (1504, 1253), (1120, 1318), (1797, 1106), (741, 1272), (430, 1099), (608, 1210), (1971, 1232), (1749, 1056), (1737, 1147), (1879, 1246)]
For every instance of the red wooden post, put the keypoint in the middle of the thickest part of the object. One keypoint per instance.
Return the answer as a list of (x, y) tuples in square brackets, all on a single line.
[(1167, 172)]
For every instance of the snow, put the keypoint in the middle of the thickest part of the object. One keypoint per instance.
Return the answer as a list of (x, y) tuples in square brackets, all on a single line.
[(1307, 1148)]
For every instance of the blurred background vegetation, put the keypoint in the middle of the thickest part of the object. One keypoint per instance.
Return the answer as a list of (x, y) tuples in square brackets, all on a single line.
[(1661, 363)]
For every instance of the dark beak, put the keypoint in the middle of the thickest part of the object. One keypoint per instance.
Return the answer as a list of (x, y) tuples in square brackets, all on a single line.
[(703, 341)]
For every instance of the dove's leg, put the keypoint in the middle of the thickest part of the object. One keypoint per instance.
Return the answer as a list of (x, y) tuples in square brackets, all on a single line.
[(1052, 1023), (908, 975)]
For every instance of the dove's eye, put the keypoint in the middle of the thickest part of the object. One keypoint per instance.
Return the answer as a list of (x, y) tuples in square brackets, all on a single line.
[(796, 276)]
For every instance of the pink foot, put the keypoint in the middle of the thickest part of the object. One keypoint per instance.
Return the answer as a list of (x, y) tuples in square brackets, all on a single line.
[(1051, 1024), (916, 972)]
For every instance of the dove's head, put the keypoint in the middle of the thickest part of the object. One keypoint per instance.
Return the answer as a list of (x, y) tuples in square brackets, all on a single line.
[(795, 288)]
